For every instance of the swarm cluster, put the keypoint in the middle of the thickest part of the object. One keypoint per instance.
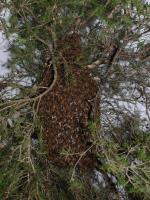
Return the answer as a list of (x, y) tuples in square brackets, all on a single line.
[(66, 110)]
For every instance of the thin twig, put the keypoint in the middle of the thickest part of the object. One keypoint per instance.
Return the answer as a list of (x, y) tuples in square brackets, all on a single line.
[(28, 100), (81, 156)]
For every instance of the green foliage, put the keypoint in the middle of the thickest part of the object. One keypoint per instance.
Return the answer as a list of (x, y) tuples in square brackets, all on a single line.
[(32, 29), (94, 126), (130, 164)]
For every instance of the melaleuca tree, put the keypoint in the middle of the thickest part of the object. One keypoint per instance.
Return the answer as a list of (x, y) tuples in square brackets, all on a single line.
[(115, 45)]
